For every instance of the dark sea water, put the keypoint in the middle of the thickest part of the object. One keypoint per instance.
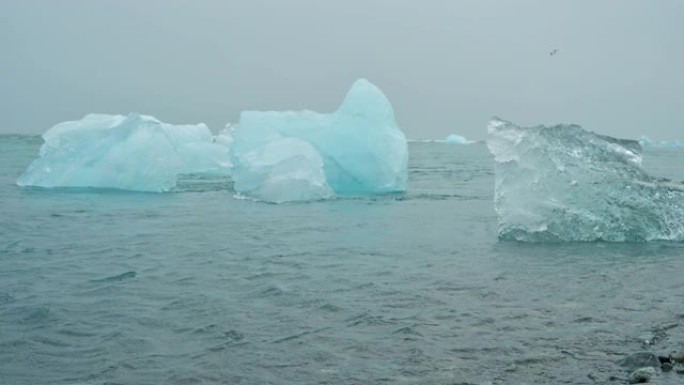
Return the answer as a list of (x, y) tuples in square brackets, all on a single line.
[(196, 287)]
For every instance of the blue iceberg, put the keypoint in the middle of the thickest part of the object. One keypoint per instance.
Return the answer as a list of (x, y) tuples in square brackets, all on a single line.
[(563, 183), (645, 141), (457, 139), (300, 156), (134, 152)]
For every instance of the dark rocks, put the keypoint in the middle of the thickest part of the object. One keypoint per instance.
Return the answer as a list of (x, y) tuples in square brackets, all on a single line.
[(678, 357), (665, 359)]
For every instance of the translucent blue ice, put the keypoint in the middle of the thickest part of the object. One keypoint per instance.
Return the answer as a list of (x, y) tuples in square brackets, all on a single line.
[(134, 152), (563, 183), (457, 139), (297, 156), (645, 141)]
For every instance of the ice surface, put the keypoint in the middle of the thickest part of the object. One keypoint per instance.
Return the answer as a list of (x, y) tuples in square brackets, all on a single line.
[(134, 152), (457, 139), (295, 156), (283, 170), (562, 183)]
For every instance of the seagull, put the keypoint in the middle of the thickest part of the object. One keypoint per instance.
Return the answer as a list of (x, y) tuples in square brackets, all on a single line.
[(555, 51)]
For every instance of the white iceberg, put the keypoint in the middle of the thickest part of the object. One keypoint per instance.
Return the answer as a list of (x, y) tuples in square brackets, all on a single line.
[(562, 183), (299, 156), (134, 152)]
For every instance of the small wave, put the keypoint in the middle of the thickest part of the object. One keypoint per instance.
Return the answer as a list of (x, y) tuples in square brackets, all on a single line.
[(330, 308), (441, 197), (203, 183), (298, 335), (118, 277), (6, 298), (39, 315)]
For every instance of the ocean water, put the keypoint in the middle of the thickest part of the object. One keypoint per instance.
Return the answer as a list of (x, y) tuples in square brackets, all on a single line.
[(197, 287)]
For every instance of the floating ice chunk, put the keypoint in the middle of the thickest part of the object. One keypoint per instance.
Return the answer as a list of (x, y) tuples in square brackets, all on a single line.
[(562, 183), (136, 152), (357, 150), (283, 170), (457, 139)]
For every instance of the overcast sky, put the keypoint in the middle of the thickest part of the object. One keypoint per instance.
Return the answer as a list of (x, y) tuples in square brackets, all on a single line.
[(447, 66)]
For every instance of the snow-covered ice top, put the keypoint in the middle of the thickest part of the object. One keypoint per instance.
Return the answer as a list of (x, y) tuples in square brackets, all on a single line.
[(305, 155), (563, 183), (135, 152)]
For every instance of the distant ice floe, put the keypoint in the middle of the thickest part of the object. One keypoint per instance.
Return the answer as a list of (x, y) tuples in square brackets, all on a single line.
[(648, 142), (135, 152), (562, 183), (457, 139), (451, 139)]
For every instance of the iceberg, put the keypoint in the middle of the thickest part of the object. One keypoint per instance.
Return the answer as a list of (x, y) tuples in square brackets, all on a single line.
[(457, 139), (300, 156), (284, 170), (562, 183), (135, 152), (645, 141)]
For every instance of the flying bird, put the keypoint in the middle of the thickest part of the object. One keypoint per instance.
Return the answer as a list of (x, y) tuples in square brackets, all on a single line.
[(555, 51)]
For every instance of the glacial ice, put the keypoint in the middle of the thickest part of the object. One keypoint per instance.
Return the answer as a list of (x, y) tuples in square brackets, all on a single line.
[(283, 170), (645, 141), (134, 152), (457, 139), (563, 183), (300, 156)]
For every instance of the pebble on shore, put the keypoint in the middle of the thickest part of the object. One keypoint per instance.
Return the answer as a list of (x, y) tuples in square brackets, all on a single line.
[(642, 375)]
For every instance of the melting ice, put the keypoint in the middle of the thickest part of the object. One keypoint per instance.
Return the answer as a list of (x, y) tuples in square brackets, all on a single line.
[(134, 152), (562, 183), (278, 156), (457, 139), (290, 156)]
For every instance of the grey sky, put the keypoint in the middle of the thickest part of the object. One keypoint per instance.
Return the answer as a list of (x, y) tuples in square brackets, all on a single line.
[(447, 66)]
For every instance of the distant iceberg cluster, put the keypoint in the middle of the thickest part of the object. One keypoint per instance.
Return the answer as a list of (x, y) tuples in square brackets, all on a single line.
[(271, 156), (552, 184), (562, 183), (135, 152), (645, 141)]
